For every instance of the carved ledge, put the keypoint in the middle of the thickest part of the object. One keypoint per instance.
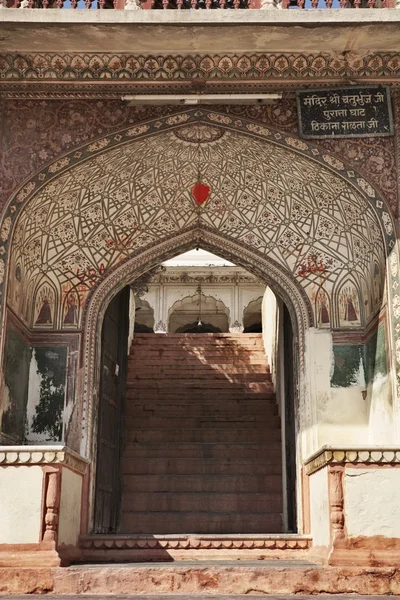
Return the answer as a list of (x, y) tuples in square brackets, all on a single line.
[(195, 542), (330, 455), (12, 456)]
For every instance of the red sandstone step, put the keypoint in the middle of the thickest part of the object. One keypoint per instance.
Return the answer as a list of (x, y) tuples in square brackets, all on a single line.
[(197, 368), (224, 383), (193, 376), (204, 466), (155, 422), (202, 393), (203, 450), (203, 422), (207, 483), (139, 409), (166, 435), (201, 502), (245, 401), (200, 523), (199, 354)]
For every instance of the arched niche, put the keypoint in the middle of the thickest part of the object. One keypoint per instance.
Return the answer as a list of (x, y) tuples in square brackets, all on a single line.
[(252, 316), (188, 310), (144, 316)]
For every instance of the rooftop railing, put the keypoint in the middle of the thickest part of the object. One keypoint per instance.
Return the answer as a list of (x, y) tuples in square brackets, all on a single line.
[(196, 4)]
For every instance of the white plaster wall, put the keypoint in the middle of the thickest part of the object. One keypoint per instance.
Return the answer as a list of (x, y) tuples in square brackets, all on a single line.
[(132, 306), (269, 313), (20, 504), (70, 507), (33, 400), (318, 363), (372, 504), (337, 416), (343, 417), (381, 419), (319, 507)]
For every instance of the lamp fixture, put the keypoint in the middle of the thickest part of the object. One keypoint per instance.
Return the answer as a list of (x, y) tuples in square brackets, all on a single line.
[(196, 99)]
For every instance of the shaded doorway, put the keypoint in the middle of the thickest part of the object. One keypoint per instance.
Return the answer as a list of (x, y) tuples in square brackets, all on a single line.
[(112, 389), (202, 444)]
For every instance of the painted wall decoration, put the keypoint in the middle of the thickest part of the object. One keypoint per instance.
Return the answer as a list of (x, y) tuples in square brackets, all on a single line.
[(44, 308), (265, 194), (349, 305), (36, 132)]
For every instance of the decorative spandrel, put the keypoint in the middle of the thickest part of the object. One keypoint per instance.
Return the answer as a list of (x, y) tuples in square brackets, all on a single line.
[(345, 112)]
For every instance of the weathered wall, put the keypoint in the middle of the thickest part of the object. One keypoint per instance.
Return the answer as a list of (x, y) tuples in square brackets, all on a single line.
[(46, 395), (17, 355), (372, 502), (21, 504), (319, 508), (70, 507)]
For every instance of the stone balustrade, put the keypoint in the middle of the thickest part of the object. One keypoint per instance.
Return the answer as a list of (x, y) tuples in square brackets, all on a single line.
[(197, 4)]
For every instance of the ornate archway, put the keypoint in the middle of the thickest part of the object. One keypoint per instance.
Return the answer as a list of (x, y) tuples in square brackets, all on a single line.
[(315, 232)]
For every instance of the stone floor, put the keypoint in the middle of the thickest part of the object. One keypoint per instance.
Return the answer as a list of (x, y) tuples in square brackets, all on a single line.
[(202, 596)]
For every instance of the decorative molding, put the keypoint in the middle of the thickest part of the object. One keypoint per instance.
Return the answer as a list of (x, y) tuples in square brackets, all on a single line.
[(210, 276), (336, 503), (52, 504), (195, 542), (12, 456), (329, 455), (137, 70)]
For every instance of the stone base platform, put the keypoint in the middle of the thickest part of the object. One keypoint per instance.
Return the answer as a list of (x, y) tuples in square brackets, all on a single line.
[(202, 579), (139, 548)]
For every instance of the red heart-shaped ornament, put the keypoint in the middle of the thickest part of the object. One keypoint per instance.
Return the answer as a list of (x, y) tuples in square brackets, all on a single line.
[(200, 192)]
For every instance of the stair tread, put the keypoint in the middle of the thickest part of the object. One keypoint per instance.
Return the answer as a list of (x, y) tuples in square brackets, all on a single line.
[(202, 450)]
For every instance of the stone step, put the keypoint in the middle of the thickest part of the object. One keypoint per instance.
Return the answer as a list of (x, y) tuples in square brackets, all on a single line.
[(241, 421), (198, 567), (203, 396), (190, 522), (143, 358), (193, 376), (196, 502), (196, 369), (270, 465), (205, 355), (207, 483), (203, 450), (201, 384), (140, 409), (166, 435)]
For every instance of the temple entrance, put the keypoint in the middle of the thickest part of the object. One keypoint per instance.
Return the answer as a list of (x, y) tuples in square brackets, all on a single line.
[(194, 432)]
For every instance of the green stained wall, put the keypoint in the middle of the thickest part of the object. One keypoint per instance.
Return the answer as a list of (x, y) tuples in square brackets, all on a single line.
[(17, 358), (47, 394), (359, 364)]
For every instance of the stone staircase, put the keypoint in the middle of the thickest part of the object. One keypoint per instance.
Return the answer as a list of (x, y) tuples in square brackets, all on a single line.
[(202, 437)]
